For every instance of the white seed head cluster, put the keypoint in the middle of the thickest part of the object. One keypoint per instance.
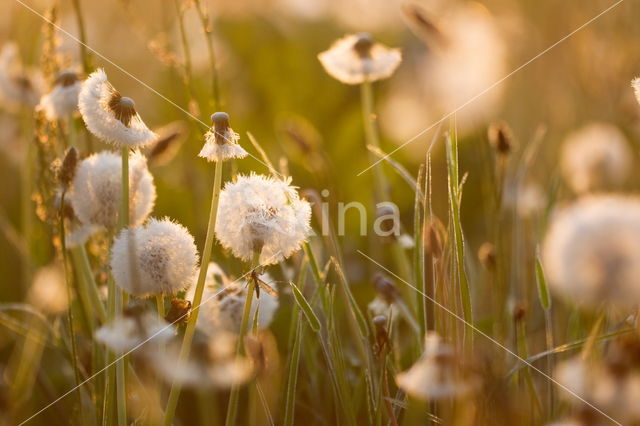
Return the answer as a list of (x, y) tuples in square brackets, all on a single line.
[(213, 363), (260, 213), (595, 157), (62, 100), (128, 331), (356, 58), (591, 253), (157, 258), (436, 375), (614, 393), (95, 192), (221, 142), (19, 86), (223, 303), (109, 116)]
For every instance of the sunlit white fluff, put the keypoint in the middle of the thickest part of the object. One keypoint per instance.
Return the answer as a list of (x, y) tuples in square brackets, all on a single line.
[(96, 191), (48, 292), (356, 58), (19, 86), (62, 100), (221, 142), (436, 375), (261, 214), (635, 83), (213, 363), (223, 302), (157, 258), (591, 253), (595, 157), (109, 116), (132, 329)]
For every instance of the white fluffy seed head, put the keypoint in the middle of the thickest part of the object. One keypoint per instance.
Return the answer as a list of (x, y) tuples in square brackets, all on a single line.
[(19, 86), (62, 100), (223, 302), (595, 157), (259, 213), (437, 374), (129, 330), (109, 116), (591, 253), (221, 142), (356, 58), (96, 191), (157, 258)]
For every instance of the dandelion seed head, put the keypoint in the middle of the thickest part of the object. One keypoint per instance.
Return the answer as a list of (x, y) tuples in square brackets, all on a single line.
[(19, 86), (96, 190), (132, 328), (356, 58), (260, 213), (157, 258), (595, 157), (591, 252), (213, 363), (111, 116), (435, 376), (62, 100), (222, 311), (48, 292), (221, 142)]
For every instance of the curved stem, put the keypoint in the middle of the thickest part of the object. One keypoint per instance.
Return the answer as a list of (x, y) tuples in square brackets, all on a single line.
[(197, 298), (372, 137)]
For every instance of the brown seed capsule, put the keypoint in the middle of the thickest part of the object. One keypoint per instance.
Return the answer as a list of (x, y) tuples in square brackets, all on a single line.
[(67, 169), (520, 311), (385, 287), (363, 45), (179, 311), (500, 137), (122, 107), (487, 255), (382, 336)]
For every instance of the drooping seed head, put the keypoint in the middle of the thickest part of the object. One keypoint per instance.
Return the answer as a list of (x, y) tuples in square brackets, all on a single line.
[(68, 168), (500, 138), (122, 107), (363, 45), (385, 287), (66, 78)]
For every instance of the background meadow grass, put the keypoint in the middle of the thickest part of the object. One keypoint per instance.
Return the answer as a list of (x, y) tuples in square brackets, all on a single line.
[(273, 86)]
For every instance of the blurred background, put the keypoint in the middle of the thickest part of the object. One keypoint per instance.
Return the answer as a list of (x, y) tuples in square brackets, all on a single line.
[(273, 86)]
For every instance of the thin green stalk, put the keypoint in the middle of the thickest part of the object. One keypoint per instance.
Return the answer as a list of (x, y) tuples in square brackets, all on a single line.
[(174, 394), (454, 203), (81, 261), (206, 29), (84, 53), (26, 210), (232, 408), (160, 305), (372, 138), (67, 274)]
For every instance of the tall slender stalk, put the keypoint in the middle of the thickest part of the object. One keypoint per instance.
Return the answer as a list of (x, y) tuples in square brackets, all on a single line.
[(206, 29), (372, 138), (120, 297), (232, 408), (84, 53), (174, 394)]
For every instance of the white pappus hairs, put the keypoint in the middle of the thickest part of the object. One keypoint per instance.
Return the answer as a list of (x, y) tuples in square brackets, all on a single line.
[(157, 258)]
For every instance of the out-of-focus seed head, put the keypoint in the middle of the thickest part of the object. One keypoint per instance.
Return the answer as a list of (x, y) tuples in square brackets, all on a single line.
[(363, 45), (385, 287), (487, 255), (67, 78), (500, 138)]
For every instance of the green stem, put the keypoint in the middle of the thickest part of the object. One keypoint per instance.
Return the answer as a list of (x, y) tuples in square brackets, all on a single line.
[(197, 298), (84, 53), (81, 260), (206, 29), (160, 305), (372, 137), (232, 408)]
